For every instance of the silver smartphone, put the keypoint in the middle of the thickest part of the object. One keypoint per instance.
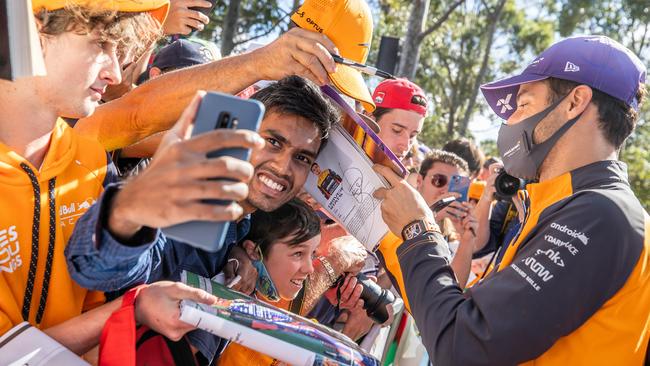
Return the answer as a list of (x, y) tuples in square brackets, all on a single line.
[(218, 111)]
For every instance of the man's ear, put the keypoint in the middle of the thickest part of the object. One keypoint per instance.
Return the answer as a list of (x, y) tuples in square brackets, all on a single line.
[(251, 250), (579, 99), (419, 181), (41, 37)]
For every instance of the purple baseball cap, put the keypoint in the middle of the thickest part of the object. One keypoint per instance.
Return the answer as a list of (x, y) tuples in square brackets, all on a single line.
[(596, 61)]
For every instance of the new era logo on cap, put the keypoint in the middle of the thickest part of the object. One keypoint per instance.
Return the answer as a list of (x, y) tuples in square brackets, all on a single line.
[(379, 98), (571, 67)]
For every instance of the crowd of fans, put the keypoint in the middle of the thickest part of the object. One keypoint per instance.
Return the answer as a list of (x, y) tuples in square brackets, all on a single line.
[(96, 157)]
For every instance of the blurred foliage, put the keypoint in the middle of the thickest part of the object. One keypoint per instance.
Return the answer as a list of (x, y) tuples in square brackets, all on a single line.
[(489, 148), (256, 19), (451, 57), (627, 21)]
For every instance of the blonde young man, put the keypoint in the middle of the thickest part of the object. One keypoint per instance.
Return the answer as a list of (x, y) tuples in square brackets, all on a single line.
[(49, 175)]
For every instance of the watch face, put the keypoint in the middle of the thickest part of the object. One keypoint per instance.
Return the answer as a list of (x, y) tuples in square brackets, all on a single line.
[(413, 230)]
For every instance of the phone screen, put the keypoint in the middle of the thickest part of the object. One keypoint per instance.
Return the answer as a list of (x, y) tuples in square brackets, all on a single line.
[(459, 184)]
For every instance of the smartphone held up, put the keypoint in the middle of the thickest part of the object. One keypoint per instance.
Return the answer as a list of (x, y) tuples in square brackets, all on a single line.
[(218, 111)]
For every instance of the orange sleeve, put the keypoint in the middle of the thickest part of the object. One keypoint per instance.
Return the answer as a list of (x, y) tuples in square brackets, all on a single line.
[(388, 249), (5, 323), (138, 114), (93, 299)]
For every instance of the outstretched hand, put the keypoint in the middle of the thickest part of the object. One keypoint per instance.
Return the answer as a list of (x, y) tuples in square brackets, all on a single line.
[(297, 52), (158, 307)]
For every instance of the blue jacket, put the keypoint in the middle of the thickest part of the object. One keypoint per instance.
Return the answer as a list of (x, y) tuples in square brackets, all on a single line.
[(98, 261)]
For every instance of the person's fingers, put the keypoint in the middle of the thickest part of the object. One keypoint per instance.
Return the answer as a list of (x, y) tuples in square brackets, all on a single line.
[(458, 206), (314, 36), (217, 190), (312, 63), (451, 213), (182, 128), (196, 15), (209, 212), (387, 173), (197, 4), (184, 292), (323, 53), (306, 73), (359, 305), (380, 193), (185, 29), (319, 45), (197, 25), (225, 167), (229, 270), (347, 292), (345, 282), (358, 289), (224, 138)]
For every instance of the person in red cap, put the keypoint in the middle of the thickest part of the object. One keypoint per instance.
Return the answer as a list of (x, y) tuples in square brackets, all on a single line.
[(401, 108)]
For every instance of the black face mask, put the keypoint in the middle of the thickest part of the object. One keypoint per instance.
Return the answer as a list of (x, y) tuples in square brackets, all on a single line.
[(521, 157)]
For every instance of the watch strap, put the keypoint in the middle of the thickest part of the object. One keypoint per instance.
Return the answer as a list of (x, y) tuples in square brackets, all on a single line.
[(418, 227)]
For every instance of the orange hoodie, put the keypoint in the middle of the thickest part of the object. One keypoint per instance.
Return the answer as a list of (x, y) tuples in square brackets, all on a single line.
[(40, 211)]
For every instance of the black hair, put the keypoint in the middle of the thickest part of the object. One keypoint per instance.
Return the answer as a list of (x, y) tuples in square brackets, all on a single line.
[(379, 112), (445, 157), (468, 151), (298, 96), (491, 160), (616, 119), (293, 223)]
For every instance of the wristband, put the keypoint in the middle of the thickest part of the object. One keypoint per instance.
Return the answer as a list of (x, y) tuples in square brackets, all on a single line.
[(328, 268)]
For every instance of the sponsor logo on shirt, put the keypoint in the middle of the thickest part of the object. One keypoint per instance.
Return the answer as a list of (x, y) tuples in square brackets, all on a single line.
[(553, 255), (528, 279), (564, 244), (571, 232), (69, 213), (10, 259), (538, 268)]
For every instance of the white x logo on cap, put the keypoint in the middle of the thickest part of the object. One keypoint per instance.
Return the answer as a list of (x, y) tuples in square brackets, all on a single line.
[(505, 104)]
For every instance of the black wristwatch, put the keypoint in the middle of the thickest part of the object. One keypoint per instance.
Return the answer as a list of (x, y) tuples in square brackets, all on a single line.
[(418, 227)]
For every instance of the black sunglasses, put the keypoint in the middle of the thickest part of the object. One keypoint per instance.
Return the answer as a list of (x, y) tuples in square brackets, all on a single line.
[(439, 180)]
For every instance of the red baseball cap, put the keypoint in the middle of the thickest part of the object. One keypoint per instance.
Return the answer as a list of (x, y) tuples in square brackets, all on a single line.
[(400, 94)]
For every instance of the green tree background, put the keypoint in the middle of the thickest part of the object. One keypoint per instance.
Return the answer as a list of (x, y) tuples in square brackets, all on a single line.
[(462, 44)]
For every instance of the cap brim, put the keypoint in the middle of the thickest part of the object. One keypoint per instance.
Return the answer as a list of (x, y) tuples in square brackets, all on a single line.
[(350, 82), (501, 95), (374, 126), (160, 14), (157, 8)]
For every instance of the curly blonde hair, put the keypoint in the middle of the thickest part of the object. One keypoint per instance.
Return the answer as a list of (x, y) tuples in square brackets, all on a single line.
[(132, 31)]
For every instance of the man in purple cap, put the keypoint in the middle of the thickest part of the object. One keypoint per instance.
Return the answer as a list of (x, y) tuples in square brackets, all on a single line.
[(573, 288)]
